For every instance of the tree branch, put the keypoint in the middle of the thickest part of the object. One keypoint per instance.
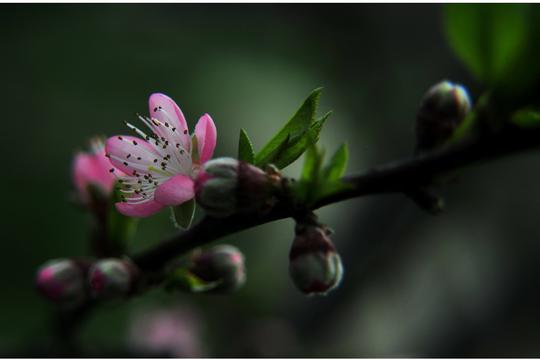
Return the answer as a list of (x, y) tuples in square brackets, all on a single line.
[(397, 177)]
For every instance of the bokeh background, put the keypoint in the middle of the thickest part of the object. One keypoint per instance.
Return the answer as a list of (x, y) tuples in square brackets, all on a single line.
[(464, 283)]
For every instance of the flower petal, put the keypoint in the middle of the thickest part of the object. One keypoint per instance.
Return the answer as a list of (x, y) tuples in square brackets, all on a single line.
[(176, 190), (139, 210), (129, 153), (206, 133), (91, 168), (166, 111)]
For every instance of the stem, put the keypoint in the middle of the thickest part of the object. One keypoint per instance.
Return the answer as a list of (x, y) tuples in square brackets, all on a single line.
[(398, 177)]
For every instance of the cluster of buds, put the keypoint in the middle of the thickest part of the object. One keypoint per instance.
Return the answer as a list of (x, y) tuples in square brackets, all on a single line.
[(315, 266), (71, 282), (227, 186), (442, 109)]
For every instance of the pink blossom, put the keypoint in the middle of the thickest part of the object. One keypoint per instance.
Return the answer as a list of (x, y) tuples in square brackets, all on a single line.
[(92, 168), (160, 170)]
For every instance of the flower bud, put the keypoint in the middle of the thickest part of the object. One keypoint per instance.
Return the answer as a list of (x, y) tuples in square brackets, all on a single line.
[(111, 278), (315, 266), (91, 174), (222, 265), (62, 280), (226, 186), (442, 109)]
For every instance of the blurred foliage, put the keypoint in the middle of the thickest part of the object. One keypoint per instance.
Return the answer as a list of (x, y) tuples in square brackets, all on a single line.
[(463, 284)]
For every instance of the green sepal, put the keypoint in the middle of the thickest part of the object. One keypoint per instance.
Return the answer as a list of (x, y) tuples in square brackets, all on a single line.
[(182, 215), (245, 148), (194, 149)]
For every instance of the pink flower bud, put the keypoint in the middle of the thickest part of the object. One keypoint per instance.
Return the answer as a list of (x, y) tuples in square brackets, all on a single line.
[(226, 186), (62, 280), (92, 169), (222, 264), (442, 110), (111, 278), (315, 266)]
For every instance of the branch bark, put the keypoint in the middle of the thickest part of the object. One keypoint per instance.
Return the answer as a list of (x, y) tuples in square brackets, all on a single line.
[(397, 177)]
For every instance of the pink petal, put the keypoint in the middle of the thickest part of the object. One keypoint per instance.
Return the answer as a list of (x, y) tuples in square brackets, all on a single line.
[(136, 153), (176, 190), (165, 110), (206, 133), (91, 169), (138, 210)]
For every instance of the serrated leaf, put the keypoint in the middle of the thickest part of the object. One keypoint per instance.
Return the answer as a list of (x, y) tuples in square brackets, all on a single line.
[(245, 148), (526, 118), (291, 131), (182, 215), (337, 164), (491, 39)]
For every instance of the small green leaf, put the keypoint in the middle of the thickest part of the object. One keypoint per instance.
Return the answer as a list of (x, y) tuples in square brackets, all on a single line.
[(294, 150), (491, 39), (182, 215), (183, 280), (245, 148), (526, 118), (337, 164), (293, 130)]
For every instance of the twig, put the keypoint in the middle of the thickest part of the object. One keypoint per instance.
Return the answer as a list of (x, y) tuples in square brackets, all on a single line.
[(398, 177)]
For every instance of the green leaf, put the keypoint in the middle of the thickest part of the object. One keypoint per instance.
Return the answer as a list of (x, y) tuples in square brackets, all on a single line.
[(184, 280), (337, 164), (182, 215), (245, 148), (526, 118), (293, 150), (491, 39), (291, 133)]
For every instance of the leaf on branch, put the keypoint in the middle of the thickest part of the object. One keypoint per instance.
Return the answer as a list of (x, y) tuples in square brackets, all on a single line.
[(317, 181), (295, 136), (182, 215), (336, 167), (492, 40), (183, 280), (245, 148), (526, 118)]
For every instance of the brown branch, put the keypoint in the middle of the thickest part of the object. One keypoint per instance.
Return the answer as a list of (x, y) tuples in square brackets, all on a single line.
[(398, 177)]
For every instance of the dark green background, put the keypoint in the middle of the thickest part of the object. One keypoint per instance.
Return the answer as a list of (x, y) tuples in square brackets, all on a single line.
[(462, 284)]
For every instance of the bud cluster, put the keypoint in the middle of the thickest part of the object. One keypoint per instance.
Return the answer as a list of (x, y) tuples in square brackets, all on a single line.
[(315, 266), (72, 282), (226, 186)]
